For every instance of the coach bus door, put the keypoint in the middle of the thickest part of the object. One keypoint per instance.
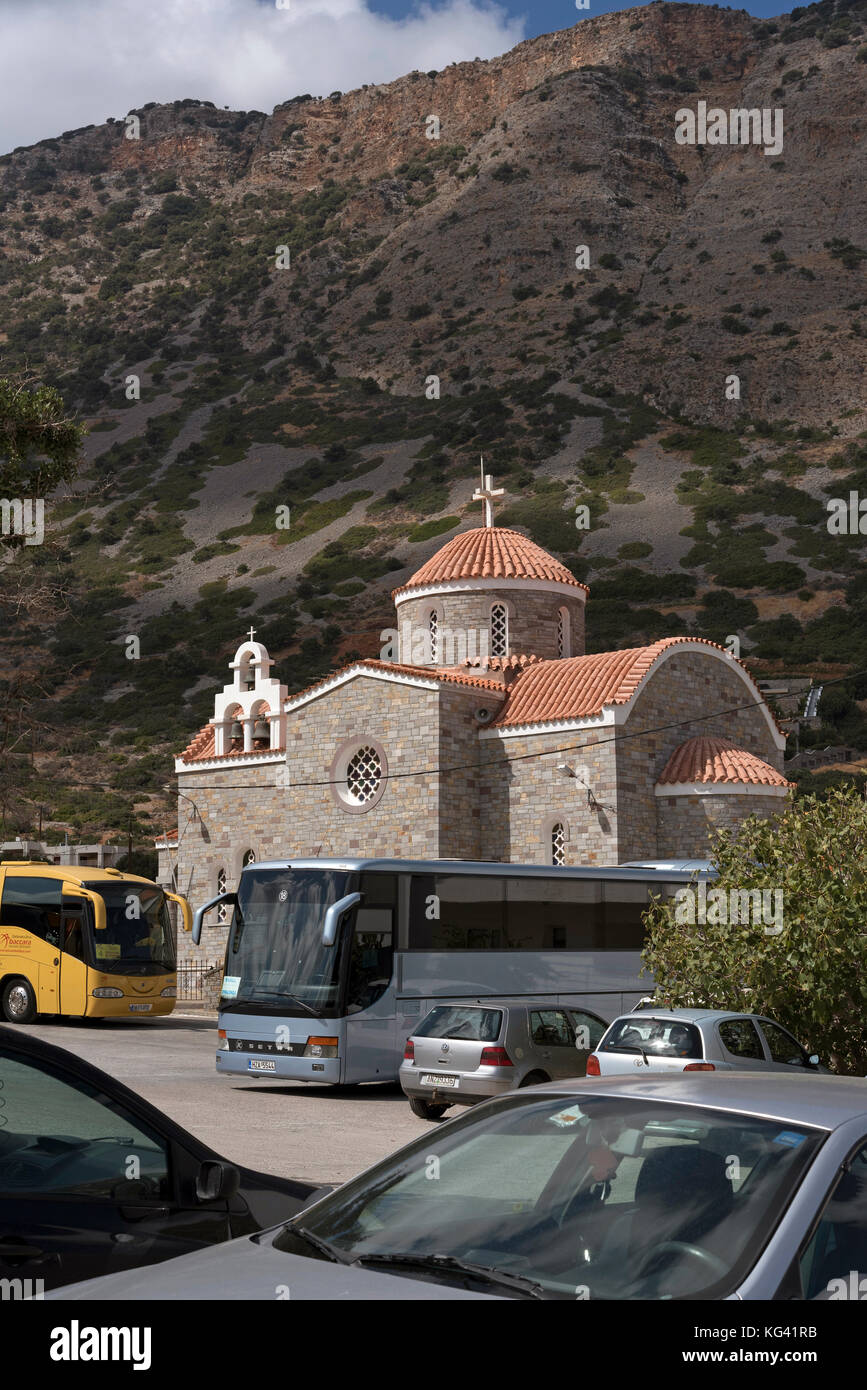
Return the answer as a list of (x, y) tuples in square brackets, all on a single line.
[(73, 952)]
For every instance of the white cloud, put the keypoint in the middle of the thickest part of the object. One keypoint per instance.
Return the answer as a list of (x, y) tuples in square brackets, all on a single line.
[(68, 63)]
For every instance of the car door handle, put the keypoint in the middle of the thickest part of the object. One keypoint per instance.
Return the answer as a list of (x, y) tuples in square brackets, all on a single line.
[(136, 1213), (17, 1249)]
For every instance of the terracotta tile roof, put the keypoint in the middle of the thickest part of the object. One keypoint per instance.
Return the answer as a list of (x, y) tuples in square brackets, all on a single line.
[(202, 748), (516, 662), (426, 672), (580, 686), (711, 759), (490, 552)]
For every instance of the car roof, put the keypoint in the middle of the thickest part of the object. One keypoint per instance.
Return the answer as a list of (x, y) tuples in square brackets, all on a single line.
[(685, 1015), (824, 1102), (504, 1001)]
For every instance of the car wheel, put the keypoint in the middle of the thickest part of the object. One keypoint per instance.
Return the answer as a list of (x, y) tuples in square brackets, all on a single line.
[(533, 1078), (18, 1002), (426, 1109)]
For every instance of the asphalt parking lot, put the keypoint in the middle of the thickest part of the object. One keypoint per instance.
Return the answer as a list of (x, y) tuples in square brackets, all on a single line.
[(318, 1134)]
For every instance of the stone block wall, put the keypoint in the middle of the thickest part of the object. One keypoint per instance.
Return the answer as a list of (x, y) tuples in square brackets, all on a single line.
[(533, 623), (686, 823), (522, 798), (687, 684)]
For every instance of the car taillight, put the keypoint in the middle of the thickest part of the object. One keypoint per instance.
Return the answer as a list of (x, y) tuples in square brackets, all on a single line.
[(593, 1065), (699, 1066), (495, 1057), (409, 1051)]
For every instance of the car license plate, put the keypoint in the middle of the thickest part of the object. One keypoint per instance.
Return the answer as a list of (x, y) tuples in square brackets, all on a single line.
[(261, 1064), (139, 1008), (440, 1081)]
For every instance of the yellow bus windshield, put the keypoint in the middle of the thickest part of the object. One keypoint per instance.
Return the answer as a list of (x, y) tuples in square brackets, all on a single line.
[(137, 938)]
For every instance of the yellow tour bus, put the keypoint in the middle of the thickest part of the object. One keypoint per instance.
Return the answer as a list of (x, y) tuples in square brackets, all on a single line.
[(85, 943)]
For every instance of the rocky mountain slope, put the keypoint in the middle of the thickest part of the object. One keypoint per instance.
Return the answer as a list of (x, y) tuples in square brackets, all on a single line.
[(326, 310)]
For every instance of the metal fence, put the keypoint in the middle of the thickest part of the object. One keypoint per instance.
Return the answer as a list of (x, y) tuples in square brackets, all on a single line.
[(198, 979)]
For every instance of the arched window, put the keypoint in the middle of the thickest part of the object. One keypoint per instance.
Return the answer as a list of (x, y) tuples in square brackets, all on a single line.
[(433, 624), (564, 633), (249, 858), (223, 909), (499, 630), (247, 671), (558, 844)]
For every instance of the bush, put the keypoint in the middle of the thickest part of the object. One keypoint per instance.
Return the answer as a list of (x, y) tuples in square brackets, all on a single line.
[(812, 976)]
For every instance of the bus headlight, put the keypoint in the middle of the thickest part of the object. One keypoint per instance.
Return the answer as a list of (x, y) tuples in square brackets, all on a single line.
[(107, 992), (222, 1040), (170, 992), (321, 1047)]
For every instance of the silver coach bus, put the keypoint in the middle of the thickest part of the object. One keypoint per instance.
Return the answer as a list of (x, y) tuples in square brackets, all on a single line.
[(330, 963)]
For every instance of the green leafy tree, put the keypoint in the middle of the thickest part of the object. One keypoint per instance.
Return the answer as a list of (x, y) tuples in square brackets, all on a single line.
[(810, 971), (40, 445)]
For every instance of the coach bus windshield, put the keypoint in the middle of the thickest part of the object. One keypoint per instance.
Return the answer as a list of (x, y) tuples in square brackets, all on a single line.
[(276, 961), (137, 938)]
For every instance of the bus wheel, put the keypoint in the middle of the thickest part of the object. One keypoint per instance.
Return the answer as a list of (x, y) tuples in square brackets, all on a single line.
[(426, 1109), (18, 1002)]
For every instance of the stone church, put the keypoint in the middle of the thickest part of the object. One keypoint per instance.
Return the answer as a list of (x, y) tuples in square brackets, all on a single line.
[(484, 732)]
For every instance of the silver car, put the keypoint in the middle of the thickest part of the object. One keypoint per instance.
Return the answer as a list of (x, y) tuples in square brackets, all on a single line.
[(732, 1185), (463, 1052), (678, 1040)]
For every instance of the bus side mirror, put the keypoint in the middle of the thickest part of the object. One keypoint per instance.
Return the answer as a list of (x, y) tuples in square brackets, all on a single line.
[(333, 915), (96, 900), (186, 910), (198, 919)]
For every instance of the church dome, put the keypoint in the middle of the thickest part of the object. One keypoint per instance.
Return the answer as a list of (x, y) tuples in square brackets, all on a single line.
[(711, 760), (494, 553)]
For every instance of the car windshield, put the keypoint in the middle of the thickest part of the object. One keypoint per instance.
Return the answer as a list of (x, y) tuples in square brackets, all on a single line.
[(137, 938), (460, 1021), (594, 1197), (662, 1037)]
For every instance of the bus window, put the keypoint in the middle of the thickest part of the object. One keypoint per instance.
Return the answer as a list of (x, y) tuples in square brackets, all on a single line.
[(33, 904), (371, 958), (545, 914), (72, 930), (625, 905), (457, 912)]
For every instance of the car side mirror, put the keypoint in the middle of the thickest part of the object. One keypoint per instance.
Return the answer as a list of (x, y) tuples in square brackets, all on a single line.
[(217, 1181)]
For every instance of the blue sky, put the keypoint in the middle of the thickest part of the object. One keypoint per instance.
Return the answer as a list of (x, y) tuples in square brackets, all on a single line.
[(543, 16), (69, 63)]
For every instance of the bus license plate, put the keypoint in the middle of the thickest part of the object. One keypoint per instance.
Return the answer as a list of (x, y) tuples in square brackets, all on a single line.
[(261, 1064), (439, 1081), (139, 1008)]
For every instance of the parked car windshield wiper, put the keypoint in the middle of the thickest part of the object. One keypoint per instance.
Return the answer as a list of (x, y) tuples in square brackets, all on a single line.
[(329, 1251), (282, 994), (451, 1264)]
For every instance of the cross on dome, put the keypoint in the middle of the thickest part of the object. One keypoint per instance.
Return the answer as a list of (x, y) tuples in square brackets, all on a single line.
[(486, 493)]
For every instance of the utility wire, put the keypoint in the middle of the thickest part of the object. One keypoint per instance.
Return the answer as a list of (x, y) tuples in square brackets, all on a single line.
[(517, 758)]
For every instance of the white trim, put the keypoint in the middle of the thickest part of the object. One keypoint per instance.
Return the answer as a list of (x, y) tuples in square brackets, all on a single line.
[(606, 719), (221, 764), (463, 586), (395, 677), (708, 649), (718, 789), (620, 713)]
